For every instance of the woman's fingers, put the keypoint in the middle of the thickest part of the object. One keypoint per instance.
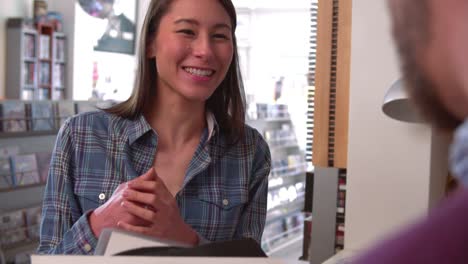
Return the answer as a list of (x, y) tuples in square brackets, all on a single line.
[(147, 176), (156, 186), (143, 198), (144, 186), (146, 213), (133, 228)]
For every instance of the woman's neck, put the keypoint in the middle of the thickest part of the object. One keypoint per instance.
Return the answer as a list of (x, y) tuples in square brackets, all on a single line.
[(177, 123)]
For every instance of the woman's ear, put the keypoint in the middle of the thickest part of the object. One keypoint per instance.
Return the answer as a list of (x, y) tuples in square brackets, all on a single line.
[(151, 48)]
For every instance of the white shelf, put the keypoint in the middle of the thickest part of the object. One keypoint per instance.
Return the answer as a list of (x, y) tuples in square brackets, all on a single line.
[(298, 166), (289, 242), (277, 119), (287, 232), (284, 210), (288, 174), (285, 150), (28, 134), (11, 251), (274, 148)]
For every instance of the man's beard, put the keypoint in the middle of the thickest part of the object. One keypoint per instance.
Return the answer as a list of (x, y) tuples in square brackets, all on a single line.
[(411, 35)]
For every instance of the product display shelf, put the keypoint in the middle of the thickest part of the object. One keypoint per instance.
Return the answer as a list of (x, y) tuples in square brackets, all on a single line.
[(26, 188), (284, 181), (283, 211), (290, 239), (285, 217), (27, 134), (36, 61), (20, 252), (20, 198)]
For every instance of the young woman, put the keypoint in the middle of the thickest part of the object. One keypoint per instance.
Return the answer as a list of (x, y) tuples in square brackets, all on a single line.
[(175, 160)]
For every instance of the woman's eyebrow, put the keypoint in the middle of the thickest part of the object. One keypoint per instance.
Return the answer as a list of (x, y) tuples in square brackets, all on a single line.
[(195, 22)]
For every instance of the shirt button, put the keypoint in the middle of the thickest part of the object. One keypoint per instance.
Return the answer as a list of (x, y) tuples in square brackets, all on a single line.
[(87, 247), (225, 202), (102, 196)]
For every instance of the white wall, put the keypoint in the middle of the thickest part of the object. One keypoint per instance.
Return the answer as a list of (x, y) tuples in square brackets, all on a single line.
[(388, 161), (18, 8)]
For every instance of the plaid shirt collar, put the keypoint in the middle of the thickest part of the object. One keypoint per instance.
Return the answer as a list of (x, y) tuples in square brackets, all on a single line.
[(139, 126)]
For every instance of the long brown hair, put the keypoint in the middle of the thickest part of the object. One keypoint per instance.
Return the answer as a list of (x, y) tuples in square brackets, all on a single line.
[(226, 103)]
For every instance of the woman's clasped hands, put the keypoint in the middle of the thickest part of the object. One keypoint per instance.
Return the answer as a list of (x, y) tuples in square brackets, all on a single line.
[(144, 205)]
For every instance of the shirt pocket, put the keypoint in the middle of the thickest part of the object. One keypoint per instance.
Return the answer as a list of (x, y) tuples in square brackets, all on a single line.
[(89, 200), (221, 211), (91, 195), (225, 200)]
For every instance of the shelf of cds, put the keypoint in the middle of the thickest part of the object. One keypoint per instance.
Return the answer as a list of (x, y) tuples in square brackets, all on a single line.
[(20, 233), (24, 165), (286, 186), (36, 61), (23, 171)]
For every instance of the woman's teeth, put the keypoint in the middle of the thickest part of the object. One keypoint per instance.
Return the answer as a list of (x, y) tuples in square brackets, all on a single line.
[(199, 72)]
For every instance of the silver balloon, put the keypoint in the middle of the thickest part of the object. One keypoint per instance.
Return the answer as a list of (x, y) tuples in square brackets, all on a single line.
[(97, 8)]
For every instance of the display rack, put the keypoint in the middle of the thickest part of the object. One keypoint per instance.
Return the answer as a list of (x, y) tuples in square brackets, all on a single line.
[(22, 59), (22, 199), (58, 70), (285, 217), (36, 61)]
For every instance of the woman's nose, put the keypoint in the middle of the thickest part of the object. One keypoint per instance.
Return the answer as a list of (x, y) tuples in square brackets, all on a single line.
[(202, 48)]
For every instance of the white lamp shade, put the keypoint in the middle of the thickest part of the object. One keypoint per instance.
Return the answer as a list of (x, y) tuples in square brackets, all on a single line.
[(397, 104)]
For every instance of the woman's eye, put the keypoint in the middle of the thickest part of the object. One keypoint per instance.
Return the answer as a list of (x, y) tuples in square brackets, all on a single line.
[(188, 32), (221, 36)]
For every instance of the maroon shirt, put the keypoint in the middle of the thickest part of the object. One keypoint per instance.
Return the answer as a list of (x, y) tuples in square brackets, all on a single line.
[(442, 238)]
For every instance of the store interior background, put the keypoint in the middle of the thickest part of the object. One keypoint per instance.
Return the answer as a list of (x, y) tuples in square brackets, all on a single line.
[(391, 168), (269, 49), (273, 44)]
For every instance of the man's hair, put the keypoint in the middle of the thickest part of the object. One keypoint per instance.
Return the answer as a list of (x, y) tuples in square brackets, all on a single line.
[(412, 33)]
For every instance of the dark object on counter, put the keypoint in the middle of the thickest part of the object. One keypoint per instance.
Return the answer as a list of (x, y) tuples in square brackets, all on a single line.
[(236, 248)]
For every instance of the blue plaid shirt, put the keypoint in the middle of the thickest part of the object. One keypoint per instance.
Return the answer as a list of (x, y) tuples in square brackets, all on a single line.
[(223, 196)]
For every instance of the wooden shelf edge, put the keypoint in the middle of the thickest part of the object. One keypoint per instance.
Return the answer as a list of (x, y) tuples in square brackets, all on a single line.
[(22, 187), (21, 246), (28, 134)]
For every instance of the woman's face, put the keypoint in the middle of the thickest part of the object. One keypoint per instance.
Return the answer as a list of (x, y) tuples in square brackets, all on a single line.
[(193, 48)]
